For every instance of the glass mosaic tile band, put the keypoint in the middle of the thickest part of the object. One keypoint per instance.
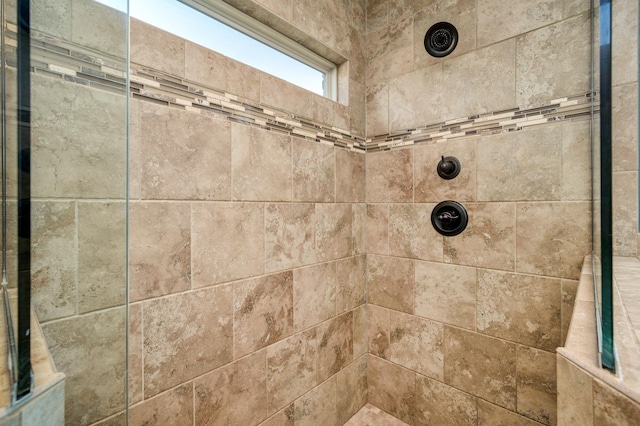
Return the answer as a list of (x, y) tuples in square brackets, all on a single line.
[(556, 111), (63, 59)]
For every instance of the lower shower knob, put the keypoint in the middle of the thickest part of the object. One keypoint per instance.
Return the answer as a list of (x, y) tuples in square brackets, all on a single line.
[(449, 218)]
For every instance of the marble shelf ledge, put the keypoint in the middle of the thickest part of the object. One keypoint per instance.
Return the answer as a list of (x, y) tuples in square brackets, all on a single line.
[(581, 346), (47, 397)]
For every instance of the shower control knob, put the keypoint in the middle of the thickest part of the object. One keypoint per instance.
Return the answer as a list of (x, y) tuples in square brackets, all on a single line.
[(449, 218), (448, 167)]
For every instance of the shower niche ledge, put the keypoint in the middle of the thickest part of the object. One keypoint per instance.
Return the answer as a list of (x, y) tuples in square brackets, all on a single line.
[(581, 380), (47, 398)]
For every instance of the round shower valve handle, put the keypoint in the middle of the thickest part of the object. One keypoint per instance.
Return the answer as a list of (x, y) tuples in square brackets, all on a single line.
[(449, 218), (448, 167)]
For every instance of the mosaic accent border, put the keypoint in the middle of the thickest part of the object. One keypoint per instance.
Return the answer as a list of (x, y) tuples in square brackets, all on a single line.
[(572, 108), (62, 59), (156, 86)]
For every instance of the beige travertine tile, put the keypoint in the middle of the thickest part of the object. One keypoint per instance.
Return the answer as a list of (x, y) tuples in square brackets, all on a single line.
[(286, 96), (324, 21), (529, 165), (136, 345), (514, 19), (391, 45), (329, 112), (351, 284), (335, 345), (372, 415), (212, 69), (289, 236), (446, 293), (553, 238), (351, 391), (575, 397), (408, 111), (360, 334), (262, 312), (102, 246), (411, 233), (186, 335), (489, 241), (564, 68), (392, 388), (358, 229), (379, 330), (184, 155), (90, 349), (159, 249), (51, 17), (314, 295), (53, 259), (72, 153), (314, 171), (536, 371), (575, 7), (576, 161), (358, 107), (152, 47), (470, 92), (480, 365), (119, 419), (569, 293), (431, 188), (624, 142), (625, 213), (99, 27), (377, 112), (48, 405), (520, 308), (390, 176), (291, 369), (391, 282), (624, 31), (417, 343), (172, 407), (261, 164), (439, 404), (281, 8), (334, 237), (378, 228), (227, 242), (611, 407), (350, 176), (135, 149), (492, 415), (460, 13), (376, 15), (318, 406), (284, 417), (235, 394)]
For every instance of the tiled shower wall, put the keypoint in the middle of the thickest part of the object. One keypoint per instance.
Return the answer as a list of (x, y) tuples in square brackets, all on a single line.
[(247, 251), (246, 244), (264, 231), (464, 329), (625, 127)]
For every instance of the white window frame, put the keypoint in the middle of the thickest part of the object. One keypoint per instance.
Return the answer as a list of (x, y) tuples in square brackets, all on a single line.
[(255, 29)]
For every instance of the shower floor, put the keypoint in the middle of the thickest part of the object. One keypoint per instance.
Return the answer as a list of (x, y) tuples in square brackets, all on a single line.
[(370, 415)]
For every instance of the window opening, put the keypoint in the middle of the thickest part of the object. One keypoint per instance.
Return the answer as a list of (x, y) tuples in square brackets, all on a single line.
[(224, 29)]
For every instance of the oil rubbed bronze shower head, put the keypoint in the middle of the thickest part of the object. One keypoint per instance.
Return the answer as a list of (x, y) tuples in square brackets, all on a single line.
[(441, 39)]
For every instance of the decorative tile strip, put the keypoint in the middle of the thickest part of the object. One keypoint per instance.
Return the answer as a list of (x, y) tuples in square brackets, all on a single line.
[(558, 110), (62, 59)]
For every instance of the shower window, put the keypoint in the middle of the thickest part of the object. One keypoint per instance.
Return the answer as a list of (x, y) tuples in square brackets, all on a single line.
[(221, 28)]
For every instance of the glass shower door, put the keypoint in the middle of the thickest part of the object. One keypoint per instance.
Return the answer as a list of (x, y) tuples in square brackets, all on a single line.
[(74, 196)]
